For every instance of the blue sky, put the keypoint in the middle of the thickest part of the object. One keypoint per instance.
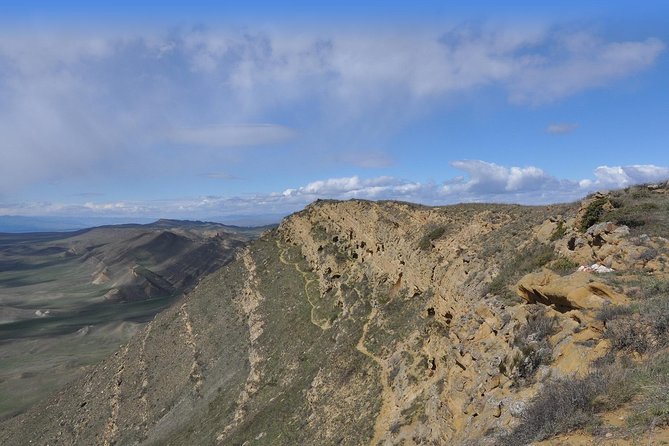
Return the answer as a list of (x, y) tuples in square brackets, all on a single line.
[(210, 111)]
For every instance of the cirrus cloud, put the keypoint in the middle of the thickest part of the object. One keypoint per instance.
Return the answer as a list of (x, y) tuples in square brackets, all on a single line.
[(561, 128), (81, 101)]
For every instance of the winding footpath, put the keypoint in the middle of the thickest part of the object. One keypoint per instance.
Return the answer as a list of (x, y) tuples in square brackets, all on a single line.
[(144, 373), (385, 416), (322, 324)]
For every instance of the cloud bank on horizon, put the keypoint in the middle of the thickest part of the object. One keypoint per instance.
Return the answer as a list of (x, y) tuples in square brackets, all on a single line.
[(482, 182)]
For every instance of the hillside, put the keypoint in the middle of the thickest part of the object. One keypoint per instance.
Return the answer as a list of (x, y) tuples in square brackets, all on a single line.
[(69, 299), (390, 323)]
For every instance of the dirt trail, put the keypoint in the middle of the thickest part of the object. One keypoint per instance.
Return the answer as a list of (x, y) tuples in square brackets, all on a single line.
[(322, 324), (388, 407)]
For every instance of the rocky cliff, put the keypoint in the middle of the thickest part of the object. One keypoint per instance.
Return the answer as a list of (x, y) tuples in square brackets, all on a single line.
[(367, 323)]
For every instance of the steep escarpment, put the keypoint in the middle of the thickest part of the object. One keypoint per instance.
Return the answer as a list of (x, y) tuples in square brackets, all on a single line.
[(369, 323)]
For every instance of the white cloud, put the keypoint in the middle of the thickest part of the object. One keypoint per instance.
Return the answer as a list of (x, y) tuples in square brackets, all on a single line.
[(490, 178), (354, 187), (561, 128), (483, 182), (622, 176)]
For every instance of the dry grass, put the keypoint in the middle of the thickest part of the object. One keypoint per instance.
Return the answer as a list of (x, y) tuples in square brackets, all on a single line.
[(576, 403), (572, 403), (532, 341)]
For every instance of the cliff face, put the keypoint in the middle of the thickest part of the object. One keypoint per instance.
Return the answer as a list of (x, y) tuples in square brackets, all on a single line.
[(358, 323)]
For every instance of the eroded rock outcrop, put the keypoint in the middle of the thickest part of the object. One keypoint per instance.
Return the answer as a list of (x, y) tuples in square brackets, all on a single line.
[(469, 354), (577, 291)]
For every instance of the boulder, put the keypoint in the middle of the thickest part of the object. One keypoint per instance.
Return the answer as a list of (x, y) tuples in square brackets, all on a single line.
[(576, 291), (599, 229)]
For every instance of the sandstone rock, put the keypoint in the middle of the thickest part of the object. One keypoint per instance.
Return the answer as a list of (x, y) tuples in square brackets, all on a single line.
[(622, 230), (576, 291), (442, 372), (545, 231), (600, 228)]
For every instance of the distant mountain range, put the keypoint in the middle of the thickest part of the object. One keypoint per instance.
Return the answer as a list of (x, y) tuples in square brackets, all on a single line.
[(18, 224), (21, 224)]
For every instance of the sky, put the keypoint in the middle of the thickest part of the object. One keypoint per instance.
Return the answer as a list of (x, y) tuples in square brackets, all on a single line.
[(216, 110)]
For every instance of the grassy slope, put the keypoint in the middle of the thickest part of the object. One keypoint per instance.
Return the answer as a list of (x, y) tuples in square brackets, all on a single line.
[(54, 271), (172, 408), (294, 350)]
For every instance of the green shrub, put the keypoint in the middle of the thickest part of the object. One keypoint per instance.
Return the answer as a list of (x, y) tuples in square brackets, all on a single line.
[(640, 209), (648, 254), (629, 216), (652, 408), (639, 328), (640, 286), (570, 403), (637, 207), (574, 403), (319, 232), (563, 265), (593, 213), (559, 231), (561, 406), (627, 333), (610, 312), (432, 234)]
